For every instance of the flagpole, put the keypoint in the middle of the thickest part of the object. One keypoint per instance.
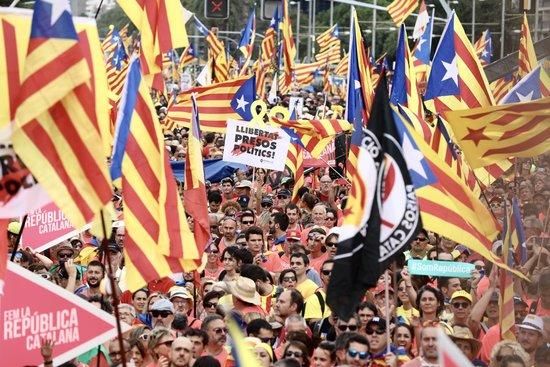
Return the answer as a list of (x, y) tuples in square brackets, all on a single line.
[(18, 239), (387, 299), (116, 301)]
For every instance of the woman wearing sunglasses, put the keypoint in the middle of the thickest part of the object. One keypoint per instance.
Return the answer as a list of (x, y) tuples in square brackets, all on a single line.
[(287, 279), (297, 350)]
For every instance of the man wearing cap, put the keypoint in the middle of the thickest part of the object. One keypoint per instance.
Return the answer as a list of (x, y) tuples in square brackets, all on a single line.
[(278, 225), (182, 300), (13, 231), (283, 198), (378, 342), (245, 297), (461, 306), (531, 335), (162, 313), (243, 188), (465, 341)]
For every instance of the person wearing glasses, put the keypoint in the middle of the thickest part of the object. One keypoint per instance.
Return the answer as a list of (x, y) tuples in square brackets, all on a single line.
[(297, 350), (419, 247), (376, 333), (357, 351), (160, 344), (341, 326), (461, 307), (216, 329), (331, 243), (162, 313), (246, 220), (316, 247)]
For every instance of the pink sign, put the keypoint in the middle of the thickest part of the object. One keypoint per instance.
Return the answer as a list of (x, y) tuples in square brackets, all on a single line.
[(327, 158), (46, 227), (33, 308)]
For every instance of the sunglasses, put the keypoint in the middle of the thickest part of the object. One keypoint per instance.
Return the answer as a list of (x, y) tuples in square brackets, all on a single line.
[(210, 305), (326, 272), (247, 222), (45, 275), (268, 341), (291, 354), (163, 314), (65, 255), (329, 218), (461, 305), (355, 353), (144, 336), (331, 244), (375, 331), (289, 279), (266, 205), (282, 197), (167, 343), (347, 327), (421, 239), (220, 330), (479, 267)]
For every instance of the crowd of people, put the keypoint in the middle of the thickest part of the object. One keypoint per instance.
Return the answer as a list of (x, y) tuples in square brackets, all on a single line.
[(267, 267)]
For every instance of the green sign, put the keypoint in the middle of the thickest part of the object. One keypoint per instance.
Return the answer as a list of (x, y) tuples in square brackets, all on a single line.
[(436, 268)]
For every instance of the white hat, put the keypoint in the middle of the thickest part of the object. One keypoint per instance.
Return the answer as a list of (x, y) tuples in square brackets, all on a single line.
[(532, 322), (245, 290), (244, 183)]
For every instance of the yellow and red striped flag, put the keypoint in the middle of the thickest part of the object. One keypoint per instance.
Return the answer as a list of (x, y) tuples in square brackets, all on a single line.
[(502, 86), (400, 9), (513, 237), (187, 57), (162, 27), (342, 68), (195, 201), (215, 103), (447, 205), (491, 134), (289, 49), (57, 133), (295, 164), (315, 135), (527, 58), (305, 73), (457, 80), (158, 240)]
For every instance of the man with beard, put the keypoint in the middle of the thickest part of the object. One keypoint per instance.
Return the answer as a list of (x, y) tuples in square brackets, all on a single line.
[(162, 313), (214, 325), (181, 352), (94, 274), (428, 349)]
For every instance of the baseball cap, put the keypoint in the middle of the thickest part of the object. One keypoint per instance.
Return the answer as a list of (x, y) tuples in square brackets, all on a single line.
[(284, 192), (532, 322), (461, 294), (293, 234), (267, 200), (14, 227), (244, 183), (519, 301), (162, 305), (377, 321), (243, 201)]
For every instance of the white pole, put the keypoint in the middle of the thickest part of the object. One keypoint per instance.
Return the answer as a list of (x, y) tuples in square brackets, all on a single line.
[(373, 40), (502, 29)]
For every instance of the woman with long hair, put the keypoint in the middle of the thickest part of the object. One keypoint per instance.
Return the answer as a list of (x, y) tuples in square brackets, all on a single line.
[(297, 350), (403, 337)]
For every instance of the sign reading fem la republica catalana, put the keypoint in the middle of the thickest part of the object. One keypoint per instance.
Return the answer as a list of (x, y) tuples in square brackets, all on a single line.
[(257, 146)]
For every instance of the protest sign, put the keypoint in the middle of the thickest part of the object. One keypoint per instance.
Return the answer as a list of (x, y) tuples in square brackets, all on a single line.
[(254, 145), (437, 268), (327, 157), (35, 308), (46, 227)]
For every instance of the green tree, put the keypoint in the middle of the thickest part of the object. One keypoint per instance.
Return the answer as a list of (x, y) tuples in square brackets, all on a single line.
[(115, 17)]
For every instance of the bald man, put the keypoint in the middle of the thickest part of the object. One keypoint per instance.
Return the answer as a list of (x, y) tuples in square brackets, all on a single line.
[(181, 352)]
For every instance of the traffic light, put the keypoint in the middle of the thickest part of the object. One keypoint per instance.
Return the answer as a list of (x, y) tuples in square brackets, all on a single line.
[(216, 9), (268, 8)]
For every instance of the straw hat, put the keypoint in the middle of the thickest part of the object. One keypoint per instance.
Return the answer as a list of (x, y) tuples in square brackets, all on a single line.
[(245, 290), (464, 333)]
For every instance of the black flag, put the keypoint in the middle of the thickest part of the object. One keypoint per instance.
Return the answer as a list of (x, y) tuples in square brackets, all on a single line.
[(381, 216)]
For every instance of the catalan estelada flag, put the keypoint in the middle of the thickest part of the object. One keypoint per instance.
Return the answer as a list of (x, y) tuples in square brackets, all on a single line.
[(513, 237), (162, 28), (484, 48), (315, 135), (187, 57), (457, 80), (491, 134), (501, 86), (158, 240), (289, 49), (422, 55), (295, 162), (400, 9), (216, 104), (195, 201), (57, 133), (447, 205), (527, 58)]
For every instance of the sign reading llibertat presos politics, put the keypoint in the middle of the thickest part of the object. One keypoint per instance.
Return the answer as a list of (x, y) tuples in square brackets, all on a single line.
[(440, 268), (256, 145), (33, 308)]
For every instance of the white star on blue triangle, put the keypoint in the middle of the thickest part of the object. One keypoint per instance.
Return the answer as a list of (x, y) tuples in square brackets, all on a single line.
[(52, 19), (528, 88), (242, 100)]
